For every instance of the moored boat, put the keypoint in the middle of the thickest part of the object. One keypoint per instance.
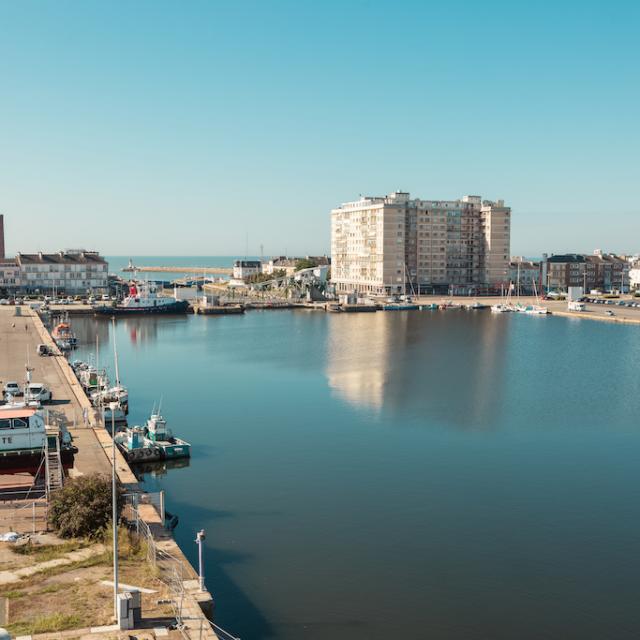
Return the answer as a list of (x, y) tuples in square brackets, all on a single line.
[(143, 298), (63, 336), (25, 436)]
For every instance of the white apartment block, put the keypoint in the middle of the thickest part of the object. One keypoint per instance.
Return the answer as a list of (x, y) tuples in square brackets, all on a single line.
[(71, 272), (392, 244)]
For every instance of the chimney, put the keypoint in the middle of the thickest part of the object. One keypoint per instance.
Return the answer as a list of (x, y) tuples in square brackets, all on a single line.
[(2, 255)]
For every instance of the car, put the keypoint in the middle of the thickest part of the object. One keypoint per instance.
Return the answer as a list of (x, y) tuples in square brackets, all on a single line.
[(37, 392), (609, 312), (11, 390), (44, 350), (105, 298), (4, 301)]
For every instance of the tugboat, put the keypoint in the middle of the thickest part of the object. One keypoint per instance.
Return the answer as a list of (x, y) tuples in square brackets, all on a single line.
[(24, 435), (143, 298)]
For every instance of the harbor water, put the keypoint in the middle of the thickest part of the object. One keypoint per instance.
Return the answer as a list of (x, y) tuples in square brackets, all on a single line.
[(445, 474)]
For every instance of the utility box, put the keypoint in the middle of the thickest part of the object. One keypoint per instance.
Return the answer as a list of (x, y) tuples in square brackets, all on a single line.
[(129, 610)]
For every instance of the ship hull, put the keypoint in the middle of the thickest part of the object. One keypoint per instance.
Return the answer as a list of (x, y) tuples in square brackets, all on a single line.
[(29, 461), (179, 306)]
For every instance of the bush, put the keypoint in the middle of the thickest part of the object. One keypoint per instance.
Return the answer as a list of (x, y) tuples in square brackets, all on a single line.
[(82, 508)]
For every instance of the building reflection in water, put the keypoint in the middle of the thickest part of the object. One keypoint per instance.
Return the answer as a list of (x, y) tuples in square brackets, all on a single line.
[(444, 367)]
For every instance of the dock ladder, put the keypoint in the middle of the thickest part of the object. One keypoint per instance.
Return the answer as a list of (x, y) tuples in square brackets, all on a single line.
[(53, 464)]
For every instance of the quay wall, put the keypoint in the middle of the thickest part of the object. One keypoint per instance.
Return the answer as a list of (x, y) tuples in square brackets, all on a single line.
[(197, 605)]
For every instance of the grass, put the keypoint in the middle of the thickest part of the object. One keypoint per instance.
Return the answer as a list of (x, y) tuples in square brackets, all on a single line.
[(45, 552), (44, 624)]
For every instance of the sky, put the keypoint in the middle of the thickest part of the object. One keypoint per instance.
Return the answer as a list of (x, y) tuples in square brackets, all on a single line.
[(233, 127)]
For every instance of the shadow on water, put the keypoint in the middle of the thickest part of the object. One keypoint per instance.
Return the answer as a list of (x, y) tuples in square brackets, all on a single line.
[(236, 612)]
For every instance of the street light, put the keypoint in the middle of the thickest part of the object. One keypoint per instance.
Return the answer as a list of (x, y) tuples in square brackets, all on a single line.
[(200, 536), (114, 505)]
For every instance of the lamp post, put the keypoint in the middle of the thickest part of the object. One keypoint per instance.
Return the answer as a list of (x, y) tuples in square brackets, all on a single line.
[(200, 536), (114, 504)]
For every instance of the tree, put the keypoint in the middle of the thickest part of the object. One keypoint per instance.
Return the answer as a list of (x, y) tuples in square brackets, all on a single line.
[(82, 508), (305, 263)]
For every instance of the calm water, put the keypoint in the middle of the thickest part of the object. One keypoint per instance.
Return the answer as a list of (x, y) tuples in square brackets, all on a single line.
[(116, 263), (401, 475)]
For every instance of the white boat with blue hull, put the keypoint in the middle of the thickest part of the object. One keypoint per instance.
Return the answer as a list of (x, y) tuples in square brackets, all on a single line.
[(153, 442)]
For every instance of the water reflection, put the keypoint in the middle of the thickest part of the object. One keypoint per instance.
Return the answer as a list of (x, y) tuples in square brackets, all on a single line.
[(159, 469), (445, 367)]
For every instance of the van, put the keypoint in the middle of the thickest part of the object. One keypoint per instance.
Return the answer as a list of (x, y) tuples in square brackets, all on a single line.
[(37, 392)]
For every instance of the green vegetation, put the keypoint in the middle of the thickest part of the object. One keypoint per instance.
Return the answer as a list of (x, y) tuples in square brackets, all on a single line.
[(82, 509), (44, 552), (45, 624), (265, 277), (305, 263)]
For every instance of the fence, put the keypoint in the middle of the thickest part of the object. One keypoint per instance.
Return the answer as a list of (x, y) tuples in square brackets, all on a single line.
[(172, 570), (23, 516)]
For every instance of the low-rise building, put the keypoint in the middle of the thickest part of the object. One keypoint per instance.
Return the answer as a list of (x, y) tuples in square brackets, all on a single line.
[(243, 269), (600, 271), (9, 275), (70, 272), (525, 275)]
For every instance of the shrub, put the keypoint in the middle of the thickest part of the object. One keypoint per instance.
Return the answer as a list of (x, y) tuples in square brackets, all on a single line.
[(82, 508)]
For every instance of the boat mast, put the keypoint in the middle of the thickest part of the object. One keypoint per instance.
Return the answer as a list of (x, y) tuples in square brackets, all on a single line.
[(115, 351)]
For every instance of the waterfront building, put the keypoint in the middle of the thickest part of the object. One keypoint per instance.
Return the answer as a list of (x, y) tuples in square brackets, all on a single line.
[(243, 269), (525, 275), (70, 272), (9, 275), (390, 244), (599, 271), (2, 249)]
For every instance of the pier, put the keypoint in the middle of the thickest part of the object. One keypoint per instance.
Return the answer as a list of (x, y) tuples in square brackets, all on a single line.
[(222, 271), (21, 330)]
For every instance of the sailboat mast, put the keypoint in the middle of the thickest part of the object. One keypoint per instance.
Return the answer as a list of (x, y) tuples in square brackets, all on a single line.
[(115, 351)]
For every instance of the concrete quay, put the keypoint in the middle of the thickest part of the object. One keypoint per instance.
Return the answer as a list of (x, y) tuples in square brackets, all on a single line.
[(21, 330)]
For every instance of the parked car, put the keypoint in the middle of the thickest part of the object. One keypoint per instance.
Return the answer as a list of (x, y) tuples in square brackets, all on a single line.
[(12, 389), (609, 312), (4, 301), (44, 350), (37, 392)]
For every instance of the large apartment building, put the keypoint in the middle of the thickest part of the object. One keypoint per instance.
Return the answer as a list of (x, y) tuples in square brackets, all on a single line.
[(391, 244)]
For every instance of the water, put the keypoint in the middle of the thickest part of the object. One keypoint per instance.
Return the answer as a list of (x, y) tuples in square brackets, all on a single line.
[(408, 475), (116, 263)]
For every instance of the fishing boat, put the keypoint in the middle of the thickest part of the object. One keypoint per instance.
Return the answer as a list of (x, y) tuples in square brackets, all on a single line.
[(143, 298), (501, 308), (64, 338), (25, 437), (160, 434), (136, 447), (153, 442)]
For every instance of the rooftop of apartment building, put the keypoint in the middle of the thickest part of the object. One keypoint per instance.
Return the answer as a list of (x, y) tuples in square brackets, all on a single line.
[(404, 197), (61, 257), (581, 257)]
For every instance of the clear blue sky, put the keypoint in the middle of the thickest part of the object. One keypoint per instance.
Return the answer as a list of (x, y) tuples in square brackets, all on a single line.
[(177, 127)]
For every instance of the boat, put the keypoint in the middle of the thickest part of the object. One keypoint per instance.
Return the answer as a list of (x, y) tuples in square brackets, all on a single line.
[(501, 308), (160, 434), (25, 436), (143, 298), (136, 447), (64, 338), (429, 307), (476, 306), (150, 443)]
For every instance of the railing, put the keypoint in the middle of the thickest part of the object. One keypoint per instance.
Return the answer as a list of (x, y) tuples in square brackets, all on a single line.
[(24, 518)]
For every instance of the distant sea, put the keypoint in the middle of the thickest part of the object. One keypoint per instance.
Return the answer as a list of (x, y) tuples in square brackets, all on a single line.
[(116, 263)]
